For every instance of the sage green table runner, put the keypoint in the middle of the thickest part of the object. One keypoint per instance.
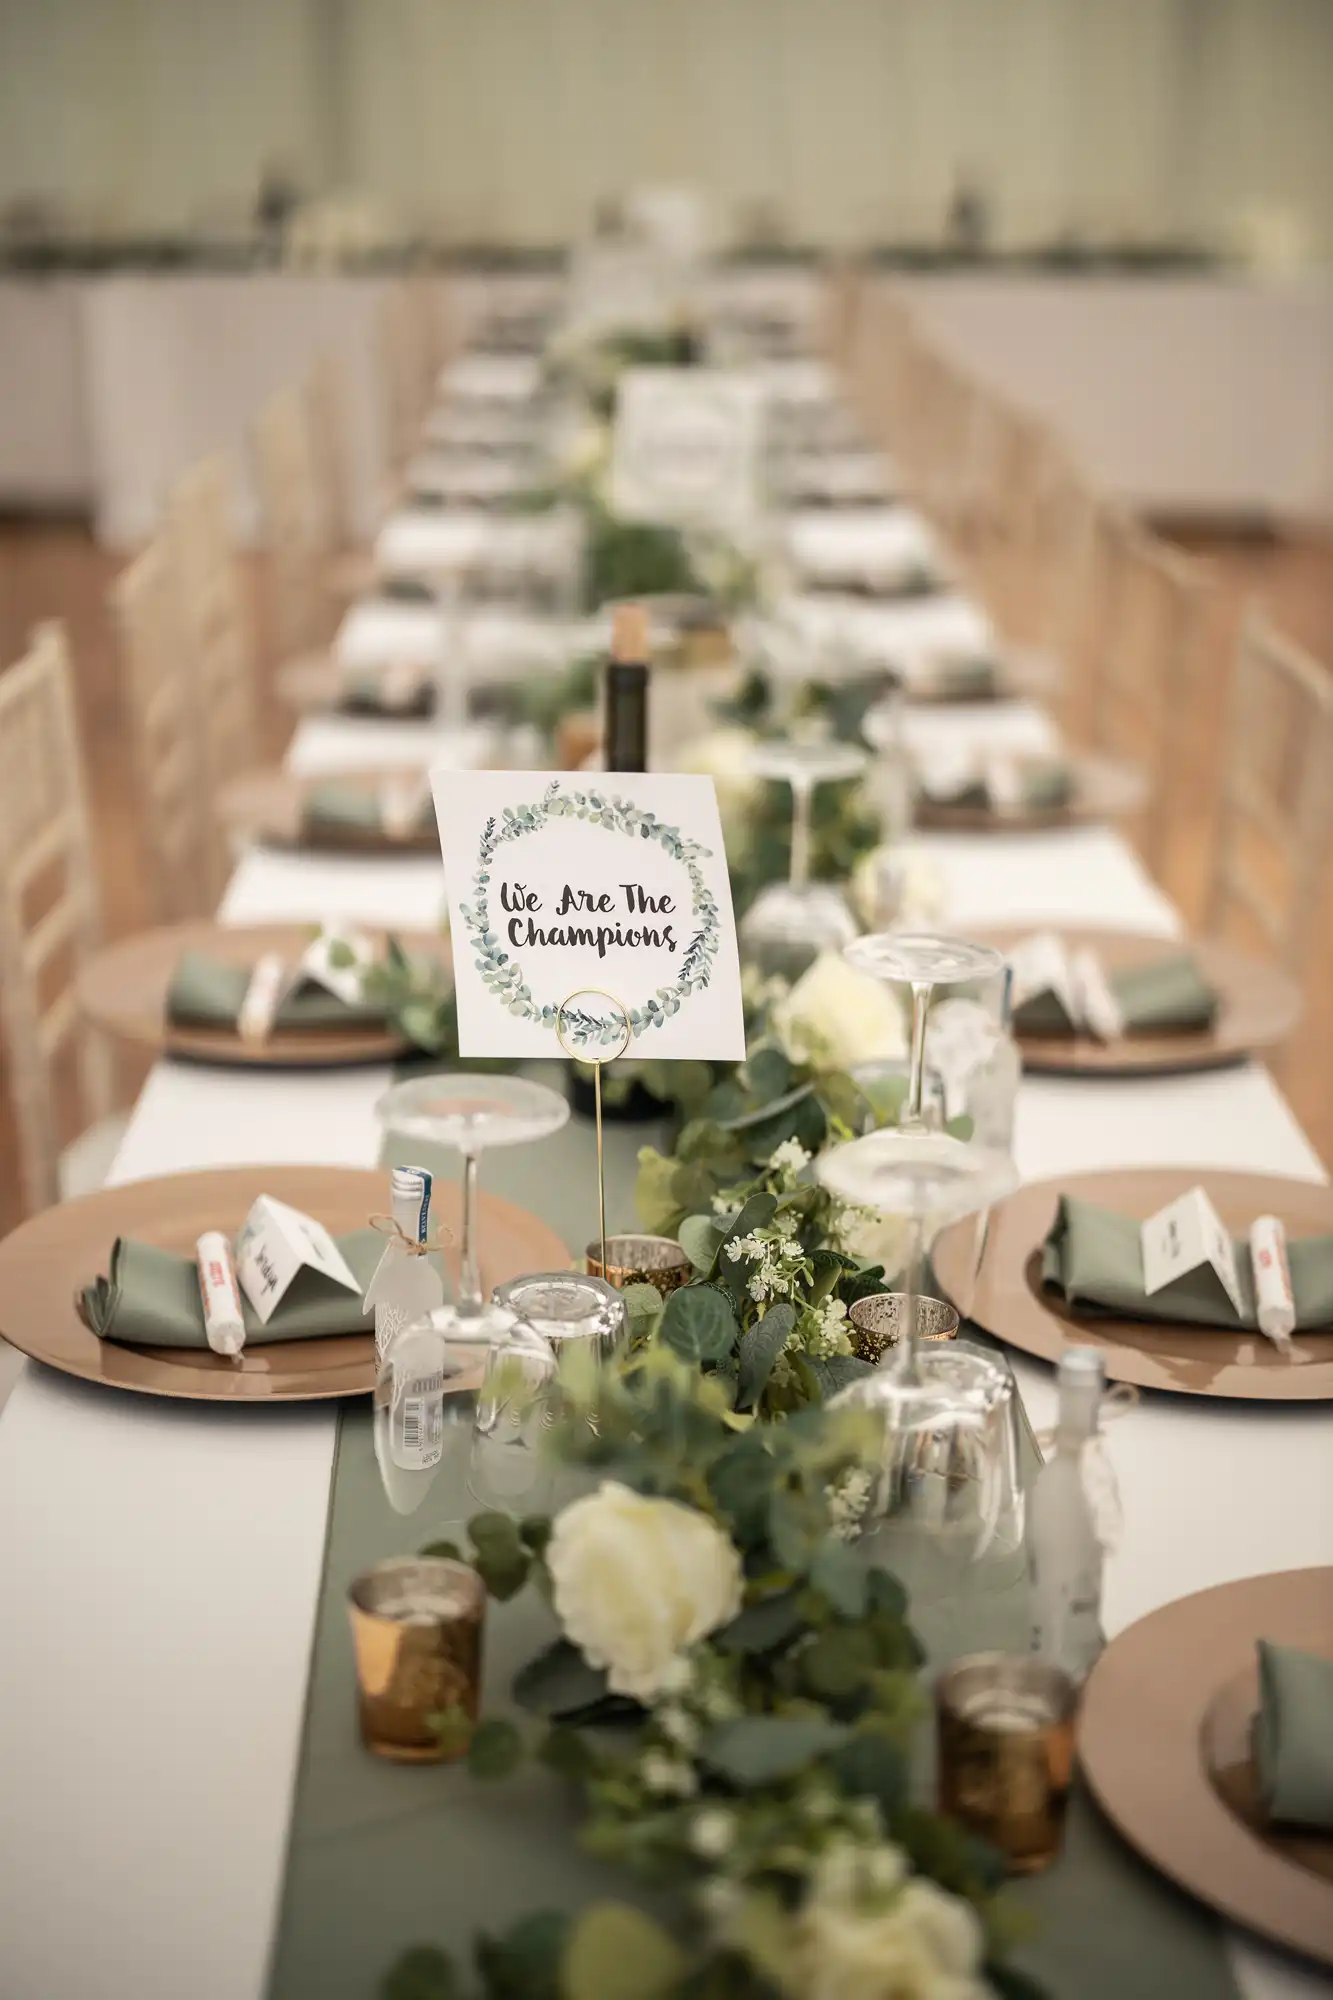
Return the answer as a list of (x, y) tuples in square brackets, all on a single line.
[(382, 1857)]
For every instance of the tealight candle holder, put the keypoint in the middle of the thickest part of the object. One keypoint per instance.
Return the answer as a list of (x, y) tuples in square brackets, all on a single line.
[(875, 1323), (639, 1260), (417, 1630), (1006, 1753)]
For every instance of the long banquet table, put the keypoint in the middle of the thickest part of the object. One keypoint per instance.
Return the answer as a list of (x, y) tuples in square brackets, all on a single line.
[(160, 1563)]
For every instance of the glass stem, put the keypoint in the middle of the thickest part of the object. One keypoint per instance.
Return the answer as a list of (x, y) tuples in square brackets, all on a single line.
[(909, 1358), (916, 1074), (469, 1277), (800, 832)]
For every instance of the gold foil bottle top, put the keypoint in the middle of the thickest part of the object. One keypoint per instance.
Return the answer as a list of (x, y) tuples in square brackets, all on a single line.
[(629, 634)]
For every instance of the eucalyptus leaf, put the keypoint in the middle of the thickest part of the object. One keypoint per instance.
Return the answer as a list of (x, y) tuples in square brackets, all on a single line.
[(760, 1346), (840, 1574), (769, 1071), (763, 1749), (870, 1765), (699, 1323), (698, 1237), (836, 1371), (617, 1953), (748, 1121), (525, 1963), (763, 1627), (496, 1749), (560, 1684)]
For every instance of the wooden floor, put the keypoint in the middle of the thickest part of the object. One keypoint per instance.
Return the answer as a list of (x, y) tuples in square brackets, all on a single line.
[(57, 571)]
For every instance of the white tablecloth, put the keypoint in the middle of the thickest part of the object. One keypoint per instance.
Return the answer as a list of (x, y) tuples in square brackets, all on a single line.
[(160, 1565)]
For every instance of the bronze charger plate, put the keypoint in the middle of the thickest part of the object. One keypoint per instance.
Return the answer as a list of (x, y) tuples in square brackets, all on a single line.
[(47, 1261), (123, 988), (1258, 1006), (1004, 1295), (1163, 1738), (269, 806), (1101, 788)]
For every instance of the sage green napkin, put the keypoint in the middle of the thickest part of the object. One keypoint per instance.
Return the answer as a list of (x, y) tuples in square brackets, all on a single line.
[(1166, 994), (1293, 1736), (363, 695), (961, 678), (352, 809), (207, 993), (1044, 787), (1094, 1257), (151, 1298)]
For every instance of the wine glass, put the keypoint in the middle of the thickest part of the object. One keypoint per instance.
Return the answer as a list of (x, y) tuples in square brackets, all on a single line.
[(946, 1488), (922, 962), (470, 1112), (791, 922)]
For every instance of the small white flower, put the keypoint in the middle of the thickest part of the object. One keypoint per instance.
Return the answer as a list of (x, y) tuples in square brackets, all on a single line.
[(667, 1775), (677, 1675), (720, 1901), (847, 1502), (680, 1728), (713, 1834)]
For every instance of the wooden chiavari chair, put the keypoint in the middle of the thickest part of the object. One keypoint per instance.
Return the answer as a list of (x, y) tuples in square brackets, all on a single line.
[(292, 519), (219, 633), (166, 723), (347, 570), (1276, 809), (1155, 605), (49, 925)]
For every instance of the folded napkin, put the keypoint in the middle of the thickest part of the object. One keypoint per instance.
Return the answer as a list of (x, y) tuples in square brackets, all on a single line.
[(959, 677), (886, 589), (363, 694), (207, 993), (1167, 994), (334, 809), (151, 1298), (1292, 1738), (1095, 1259), (1038, 787)]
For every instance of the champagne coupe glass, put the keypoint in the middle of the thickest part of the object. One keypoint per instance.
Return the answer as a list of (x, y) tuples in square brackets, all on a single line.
[(791, 922), (468, 1112), (946, 1488), (922, 962)]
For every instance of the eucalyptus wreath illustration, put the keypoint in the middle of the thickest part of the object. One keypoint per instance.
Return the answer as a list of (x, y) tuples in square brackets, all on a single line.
[(501, 972)]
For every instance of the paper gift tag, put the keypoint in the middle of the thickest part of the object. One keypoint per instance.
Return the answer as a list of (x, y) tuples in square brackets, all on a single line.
[(1184, 1236), (275, 1244), (563, 885), (686, 449), (343, 981), (1040, 964)]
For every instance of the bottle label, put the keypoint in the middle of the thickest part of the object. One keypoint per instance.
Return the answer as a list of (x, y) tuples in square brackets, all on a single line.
[(418, 1436)]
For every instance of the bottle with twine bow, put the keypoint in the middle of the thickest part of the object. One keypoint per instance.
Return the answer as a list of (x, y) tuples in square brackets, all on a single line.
[(406, 1284)]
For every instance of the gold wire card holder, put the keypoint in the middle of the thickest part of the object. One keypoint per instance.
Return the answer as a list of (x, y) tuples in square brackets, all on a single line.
[(596, 1057)]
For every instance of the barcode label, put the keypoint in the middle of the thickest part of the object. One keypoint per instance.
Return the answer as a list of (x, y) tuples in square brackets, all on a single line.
[(421, 1435)]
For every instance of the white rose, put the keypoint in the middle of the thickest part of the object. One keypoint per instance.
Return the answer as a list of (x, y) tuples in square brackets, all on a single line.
[(637, 1581), (920, 1945), (724, 756), (836, 1016)]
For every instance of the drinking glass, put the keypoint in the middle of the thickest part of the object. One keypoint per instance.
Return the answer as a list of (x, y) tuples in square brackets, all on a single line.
[(470, 1112), (791, 922), (425, 1399), (945, 1488), (923, 962), (509, 1468)]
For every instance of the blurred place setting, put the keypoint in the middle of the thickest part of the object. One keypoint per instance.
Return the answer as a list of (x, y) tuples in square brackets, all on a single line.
[(666, 804)]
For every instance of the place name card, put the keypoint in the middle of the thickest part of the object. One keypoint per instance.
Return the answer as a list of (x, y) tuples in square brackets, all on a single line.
[(1188, 1235), (686, 448), (609, 893), (276, 1245)]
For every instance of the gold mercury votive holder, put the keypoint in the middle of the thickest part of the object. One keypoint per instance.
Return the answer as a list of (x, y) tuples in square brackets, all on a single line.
[(875, 1323), (640, 1260), (1005, 1726), (417, 1630)]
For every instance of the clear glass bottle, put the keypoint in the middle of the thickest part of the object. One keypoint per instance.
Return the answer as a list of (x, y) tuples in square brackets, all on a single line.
[(406, 1284), (1063, 1551)]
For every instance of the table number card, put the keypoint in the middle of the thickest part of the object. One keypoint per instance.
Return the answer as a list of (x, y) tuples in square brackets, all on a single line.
[(686, 451), (276, 1245), (1185, 1236), (563, 885)]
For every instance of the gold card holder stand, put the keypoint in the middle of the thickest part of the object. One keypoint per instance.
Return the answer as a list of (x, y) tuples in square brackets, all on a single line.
[(596, 1062)]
